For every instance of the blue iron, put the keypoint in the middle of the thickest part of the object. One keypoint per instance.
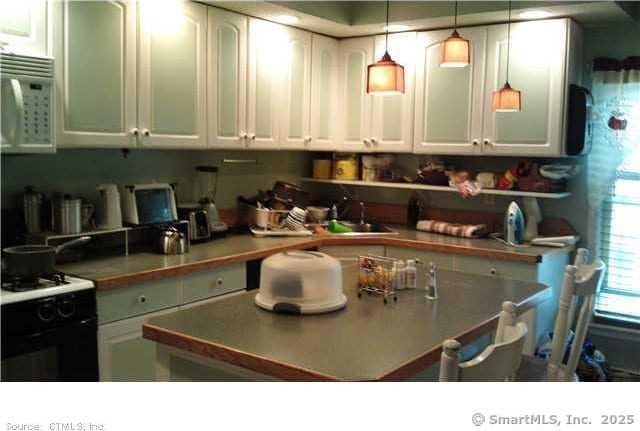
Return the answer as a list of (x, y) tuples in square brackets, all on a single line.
[(514, 225)]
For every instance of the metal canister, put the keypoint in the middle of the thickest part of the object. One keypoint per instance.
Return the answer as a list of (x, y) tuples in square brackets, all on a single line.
[(69, 216), (345, 167), (32, 206)]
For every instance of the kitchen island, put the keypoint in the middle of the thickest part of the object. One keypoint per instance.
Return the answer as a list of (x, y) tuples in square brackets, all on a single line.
[(233, 339)]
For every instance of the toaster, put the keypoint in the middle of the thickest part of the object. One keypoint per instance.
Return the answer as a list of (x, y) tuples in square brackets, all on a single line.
[(199, 226)]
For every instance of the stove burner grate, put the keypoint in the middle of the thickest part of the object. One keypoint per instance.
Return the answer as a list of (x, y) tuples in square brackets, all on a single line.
[(17, 284)]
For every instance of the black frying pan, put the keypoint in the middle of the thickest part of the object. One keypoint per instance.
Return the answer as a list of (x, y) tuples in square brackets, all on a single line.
[(32, 261)]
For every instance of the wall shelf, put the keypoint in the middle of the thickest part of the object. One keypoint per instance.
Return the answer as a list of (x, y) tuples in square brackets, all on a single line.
[(411, 186)]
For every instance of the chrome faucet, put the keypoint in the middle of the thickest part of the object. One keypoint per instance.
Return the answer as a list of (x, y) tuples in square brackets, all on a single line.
[(362, 212)]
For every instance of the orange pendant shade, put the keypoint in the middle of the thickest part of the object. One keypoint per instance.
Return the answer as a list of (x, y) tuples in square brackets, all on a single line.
[(455, 51), (506, 99), (385, 77)]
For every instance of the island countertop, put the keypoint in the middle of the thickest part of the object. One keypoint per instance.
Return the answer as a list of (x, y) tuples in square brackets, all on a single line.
[(367, 340), (124, 270)]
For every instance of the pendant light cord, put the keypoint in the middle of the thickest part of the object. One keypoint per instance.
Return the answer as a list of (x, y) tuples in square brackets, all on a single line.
[(386, 35), (455, 17), (508, 42)]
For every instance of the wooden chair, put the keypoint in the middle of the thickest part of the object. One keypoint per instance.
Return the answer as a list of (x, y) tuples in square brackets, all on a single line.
[(581, 284), (497, 362)]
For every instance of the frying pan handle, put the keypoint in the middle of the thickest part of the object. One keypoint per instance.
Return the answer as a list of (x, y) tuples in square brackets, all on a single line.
[(73, 243)]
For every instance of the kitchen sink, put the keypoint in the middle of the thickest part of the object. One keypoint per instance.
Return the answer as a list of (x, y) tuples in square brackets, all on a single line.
[(360, 229)]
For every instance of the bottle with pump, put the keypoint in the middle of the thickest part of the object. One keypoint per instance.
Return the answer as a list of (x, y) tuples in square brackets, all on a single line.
[(410, 274)]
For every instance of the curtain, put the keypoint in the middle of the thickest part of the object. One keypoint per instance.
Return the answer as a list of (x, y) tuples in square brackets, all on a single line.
[(615, 123)]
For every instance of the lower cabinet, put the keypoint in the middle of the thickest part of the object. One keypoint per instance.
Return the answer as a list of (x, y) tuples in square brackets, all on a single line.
[(123, 354)]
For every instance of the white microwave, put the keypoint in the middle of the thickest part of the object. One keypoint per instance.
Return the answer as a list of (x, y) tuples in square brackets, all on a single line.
[(27, 94)]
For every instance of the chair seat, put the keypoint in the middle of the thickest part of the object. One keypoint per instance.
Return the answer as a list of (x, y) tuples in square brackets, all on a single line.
[(533, 369)]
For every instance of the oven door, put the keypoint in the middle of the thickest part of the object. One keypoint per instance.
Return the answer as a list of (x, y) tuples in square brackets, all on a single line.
[(67, 354)]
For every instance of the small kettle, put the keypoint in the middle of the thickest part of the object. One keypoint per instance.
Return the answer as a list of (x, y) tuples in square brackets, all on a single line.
[(172, 241)]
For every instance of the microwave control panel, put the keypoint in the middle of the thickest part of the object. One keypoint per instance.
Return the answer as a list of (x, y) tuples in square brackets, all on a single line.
[(37, 113)]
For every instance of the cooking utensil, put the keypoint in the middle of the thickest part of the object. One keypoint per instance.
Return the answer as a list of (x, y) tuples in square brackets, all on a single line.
[(172, 241), (32, 206), (32, 261)]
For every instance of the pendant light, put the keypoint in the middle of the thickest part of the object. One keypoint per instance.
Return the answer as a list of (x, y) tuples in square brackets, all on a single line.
[(507, 99), (386, 76), (455, 51)]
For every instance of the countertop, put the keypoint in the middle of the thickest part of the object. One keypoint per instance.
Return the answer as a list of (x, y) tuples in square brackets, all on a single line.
[(123, 270), (367, 340)]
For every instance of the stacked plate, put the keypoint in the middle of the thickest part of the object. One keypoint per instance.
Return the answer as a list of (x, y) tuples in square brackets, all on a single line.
[(296, 219)]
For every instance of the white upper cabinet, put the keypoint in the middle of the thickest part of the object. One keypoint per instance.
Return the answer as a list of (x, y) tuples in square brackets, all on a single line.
[(356, 107), (227, 77), (324, 93), (295, 90), (24, 26), (267, 54), (392, 121), (449, 101), (95, 61), (536, 68), (172, 73)]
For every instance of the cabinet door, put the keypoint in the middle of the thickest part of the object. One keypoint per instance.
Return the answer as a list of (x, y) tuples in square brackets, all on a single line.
[(324, 93), (537, 69), (172, 68), (296, 90), (449, 101), (95, 51), (392, 121), (227, 77), (123, 355), (355, 113), (24, 26), (266, 57)]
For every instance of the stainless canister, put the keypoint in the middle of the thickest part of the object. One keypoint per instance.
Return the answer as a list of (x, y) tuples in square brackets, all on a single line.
[(32, 206), (69, 216)]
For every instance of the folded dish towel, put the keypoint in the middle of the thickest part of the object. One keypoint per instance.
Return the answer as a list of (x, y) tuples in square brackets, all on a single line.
[(453, 229)]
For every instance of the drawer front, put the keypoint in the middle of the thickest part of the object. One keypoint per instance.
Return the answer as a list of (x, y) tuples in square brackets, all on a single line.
[(213, 282), (496, 268), (138, 299), (442, 260)]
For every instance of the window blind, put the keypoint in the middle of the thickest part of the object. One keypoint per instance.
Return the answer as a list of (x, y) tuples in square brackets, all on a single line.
[(620, 246)]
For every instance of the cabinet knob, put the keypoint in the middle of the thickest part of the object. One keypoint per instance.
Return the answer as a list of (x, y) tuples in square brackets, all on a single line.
[(486, 142), (307, 139), (219, 281), (475, 143), (146, 132), (366, 141), (252, 136), (244, 136), (374, 141), (135, 132), (493, 271), (142, 299)]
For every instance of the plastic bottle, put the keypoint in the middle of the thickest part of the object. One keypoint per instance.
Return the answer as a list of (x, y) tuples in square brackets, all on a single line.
[(400, 271), (410, 274)]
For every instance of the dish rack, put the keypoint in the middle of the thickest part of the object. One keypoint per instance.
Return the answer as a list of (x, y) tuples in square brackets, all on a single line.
[(377, 275)]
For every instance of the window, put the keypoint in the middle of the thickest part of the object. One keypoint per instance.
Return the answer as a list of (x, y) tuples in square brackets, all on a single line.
[(620, 246)]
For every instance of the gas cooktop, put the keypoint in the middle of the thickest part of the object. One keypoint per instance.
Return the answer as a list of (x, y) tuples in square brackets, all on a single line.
[(18, 290)]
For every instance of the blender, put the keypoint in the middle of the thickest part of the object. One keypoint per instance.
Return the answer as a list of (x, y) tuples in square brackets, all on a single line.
[(207, 184)]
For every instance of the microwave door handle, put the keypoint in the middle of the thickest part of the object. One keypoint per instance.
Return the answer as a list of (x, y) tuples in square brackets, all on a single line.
[(19, 104)]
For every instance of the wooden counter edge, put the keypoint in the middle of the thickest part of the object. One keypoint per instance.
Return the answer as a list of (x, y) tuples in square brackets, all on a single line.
[(286, 371), (188, 268), (209, 349)]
